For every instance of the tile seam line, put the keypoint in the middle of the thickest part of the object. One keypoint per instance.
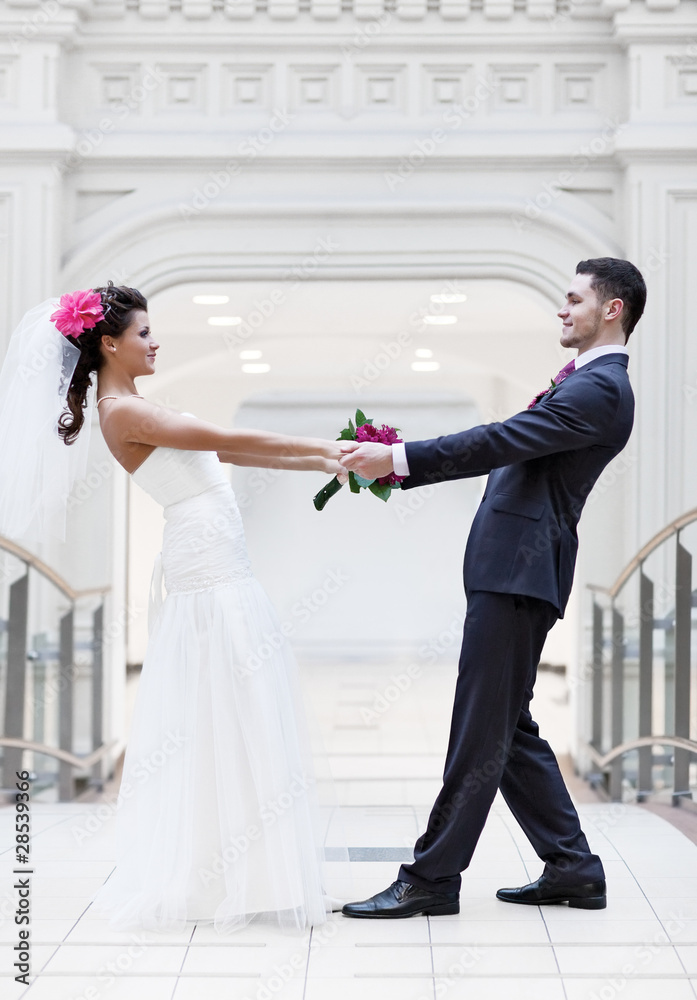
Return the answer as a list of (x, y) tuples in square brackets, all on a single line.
[(387, 944), (590, 945), (430, 949), (499, 945), (307, 963), (186, 946), (552, 976), (416, 976), (89, 974)]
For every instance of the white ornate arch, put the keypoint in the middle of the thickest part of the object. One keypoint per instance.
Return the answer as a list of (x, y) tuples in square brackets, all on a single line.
[(156, 249)]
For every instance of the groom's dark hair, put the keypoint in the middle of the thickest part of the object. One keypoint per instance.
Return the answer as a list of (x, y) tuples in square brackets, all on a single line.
[(613, 278)]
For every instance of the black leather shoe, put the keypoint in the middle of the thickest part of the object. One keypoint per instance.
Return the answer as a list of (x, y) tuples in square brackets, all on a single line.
[(591, 896), (403, 899)]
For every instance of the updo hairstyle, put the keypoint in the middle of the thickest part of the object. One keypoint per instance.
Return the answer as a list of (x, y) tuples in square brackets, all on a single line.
[(118, 304)]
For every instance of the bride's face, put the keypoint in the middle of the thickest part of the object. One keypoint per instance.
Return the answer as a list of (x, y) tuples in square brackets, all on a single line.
[(135, 349)]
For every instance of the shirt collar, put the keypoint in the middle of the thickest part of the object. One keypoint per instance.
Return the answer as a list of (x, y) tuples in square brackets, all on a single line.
[(598, 352)]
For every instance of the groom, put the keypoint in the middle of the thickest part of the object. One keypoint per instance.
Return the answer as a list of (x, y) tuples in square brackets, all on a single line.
[(519, 565)]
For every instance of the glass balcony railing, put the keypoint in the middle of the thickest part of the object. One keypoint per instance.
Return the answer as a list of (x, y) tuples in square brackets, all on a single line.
[(640, 705), (51, 678)]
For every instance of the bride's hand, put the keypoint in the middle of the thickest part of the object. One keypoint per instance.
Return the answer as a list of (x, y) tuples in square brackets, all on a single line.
[(334, 468), (332, 450)]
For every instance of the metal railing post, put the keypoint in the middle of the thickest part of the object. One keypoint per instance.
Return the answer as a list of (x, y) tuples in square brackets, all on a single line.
[(597, 679), (98, 689), (65, 706), (617, 702), (15, 693), (646, 625), (681, 687)]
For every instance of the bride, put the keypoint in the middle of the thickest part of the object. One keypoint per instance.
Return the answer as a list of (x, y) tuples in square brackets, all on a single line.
[(217, 813)]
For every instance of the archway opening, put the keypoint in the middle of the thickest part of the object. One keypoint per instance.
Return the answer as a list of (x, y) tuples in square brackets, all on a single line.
[(429, 355)]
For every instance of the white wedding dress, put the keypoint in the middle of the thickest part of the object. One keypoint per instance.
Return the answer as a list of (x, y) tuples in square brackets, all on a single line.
[(218, 817)]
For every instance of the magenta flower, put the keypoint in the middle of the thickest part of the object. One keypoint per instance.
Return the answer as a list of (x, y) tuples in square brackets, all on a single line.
[(380, 435), (78, 311), (366, 432), (388, 435), (392, 480)]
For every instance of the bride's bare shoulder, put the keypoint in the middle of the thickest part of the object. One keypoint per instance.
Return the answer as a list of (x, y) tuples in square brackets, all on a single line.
[(126, 409), (121, 419)]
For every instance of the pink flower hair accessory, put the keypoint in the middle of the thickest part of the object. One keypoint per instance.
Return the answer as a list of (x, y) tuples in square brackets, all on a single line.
[(78, 311)]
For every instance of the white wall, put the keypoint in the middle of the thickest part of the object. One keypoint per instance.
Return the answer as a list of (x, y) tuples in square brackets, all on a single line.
[(392, 571)]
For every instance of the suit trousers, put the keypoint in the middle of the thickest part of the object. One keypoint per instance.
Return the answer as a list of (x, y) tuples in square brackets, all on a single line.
[(494, 744)]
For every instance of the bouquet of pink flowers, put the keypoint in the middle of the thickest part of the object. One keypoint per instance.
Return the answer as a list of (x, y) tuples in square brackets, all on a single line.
[(364, 430)]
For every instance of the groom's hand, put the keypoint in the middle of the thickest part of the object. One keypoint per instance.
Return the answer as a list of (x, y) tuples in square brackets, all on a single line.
[(371, 461)]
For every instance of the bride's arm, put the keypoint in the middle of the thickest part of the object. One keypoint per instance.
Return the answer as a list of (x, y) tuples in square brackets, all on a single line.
[(310, 463), (135, 422)]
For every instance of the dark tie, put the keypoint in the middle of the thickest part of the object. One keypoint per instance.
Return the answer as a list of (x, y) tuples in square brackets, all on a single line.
[(557, 380)]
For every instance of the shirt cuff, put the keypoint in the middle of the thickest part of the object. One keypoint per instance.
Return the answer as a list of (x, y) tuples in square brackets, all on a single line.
[(399, 459)]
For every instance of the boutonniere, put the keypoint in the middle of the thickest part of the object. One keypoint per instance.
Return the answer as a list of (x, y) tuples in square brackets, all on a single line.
[(538, 397)]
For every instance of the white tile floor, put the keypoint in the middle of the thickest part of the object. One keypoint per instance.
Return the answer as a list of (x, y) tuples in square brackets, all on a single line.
[(642, 947)]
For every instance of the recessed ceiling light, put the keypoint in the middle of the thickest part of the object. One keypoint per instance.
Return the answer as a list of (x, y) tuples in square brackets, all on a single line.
[(250, 355), (449, 297), (210, 300), (256, 369), (425, 366), (440, 320), (224, 320), (423, 352)]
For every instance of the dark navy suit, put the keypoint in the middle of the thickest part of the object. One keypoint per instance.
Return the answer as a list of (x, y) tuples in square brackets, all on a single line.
[(519, 565)]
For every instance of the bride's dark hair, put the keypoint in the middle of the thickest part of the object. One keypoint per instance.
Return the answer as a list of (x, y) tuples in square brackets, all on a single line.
[(118, 303)]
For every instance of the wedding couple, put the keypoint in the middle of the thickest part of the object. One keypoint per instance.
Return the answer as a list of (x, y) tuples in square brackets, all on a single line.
[(199, 839)]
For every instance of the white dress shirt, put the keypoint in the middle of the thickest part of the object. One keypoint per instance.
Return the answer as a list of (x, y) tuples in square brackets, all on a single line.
[(597, 352), (399, 451)]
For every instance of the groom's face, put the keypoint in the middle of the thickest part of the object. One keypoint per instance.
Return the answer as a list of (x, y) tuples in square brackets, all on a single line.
[(581, 315)]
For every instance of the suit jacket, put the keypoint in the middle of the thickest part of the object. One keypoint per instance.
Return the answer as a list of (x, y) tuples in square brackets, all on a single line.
[(542, 464)]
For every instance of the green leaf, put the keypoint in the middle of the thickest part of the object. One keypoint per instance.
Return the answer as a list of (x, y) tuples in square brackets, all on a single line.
[(346, 434), (355, 488), (352, 429), (363, 483), (381, 490), (360, 418)]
